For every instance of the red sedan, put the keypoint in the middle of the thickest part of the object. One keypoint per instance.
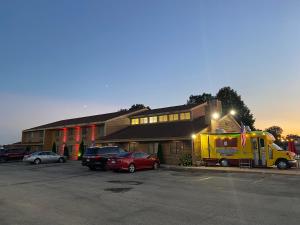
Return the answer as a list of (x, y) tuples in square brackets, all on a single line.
[(132, 161)]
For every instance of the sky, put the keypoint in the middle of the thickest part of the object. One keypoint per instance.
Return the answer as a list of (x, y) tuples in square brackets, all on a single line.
[(61, 59)]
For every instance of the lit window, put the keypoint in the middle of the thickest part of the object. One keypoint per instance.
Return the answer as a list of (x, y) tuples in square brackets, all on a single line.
[(173, 117), (153, 119), (135, 121), (144, 120), (185, 116), (163, 118)]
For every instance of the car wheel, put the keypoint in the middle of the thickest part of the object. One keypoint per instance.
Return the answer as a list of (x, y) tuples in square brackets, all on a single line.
[(37, 161), (155, 166), (282, 164), (61, 160), (92, 168), (131, 168), (224, 163)]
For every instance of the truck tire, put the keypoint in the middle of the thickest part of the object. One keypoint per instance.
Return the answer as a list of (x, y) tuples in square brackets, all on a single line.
[(282, 164), (224, 163)]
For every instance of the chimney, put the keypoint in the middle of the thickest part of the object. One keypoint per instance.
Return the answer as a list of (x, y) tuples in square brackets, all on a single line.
[(213, 106)]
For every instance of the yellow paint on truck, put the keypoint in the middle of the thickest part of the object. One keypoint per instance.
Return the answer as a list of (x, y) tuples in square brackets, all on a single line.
[(259, 150)]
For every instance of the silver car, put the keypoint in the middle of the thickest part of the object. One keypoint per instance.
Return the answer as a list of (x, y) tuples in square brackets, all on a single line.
[(44, 157)]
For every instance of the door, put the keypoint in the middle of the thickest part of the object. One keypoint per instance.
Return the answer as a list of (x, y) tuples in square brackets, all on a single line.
[(259, 151)]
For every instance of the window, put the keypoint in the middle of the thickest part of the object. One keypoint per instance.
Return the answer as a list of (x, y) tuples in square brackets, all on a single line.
[(135, 121), (41, 134), (84, 131), (100, 131), (153, 119), (57, 133), (71, 132), (152, 148), (163, 118), (173, 117), (185, 116), (144, 120), (132, 146), (176, 147)]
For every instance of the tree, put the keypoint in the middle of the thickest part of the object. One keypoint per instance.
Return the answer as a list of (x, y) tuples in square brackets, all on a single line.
[(54, 147), (231, 100), (160, 155), (66, 152), (81, 150), (137, 106), (199, 99), (276, 131)]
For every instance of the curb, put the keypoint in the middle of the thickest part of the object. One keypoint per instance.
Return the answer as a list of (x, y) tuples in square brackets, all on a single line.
[(292, 172)]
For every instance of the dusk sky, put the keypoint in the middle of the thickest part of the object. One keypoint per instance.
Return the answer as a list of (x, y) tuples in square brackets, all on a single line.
[(63, 59)]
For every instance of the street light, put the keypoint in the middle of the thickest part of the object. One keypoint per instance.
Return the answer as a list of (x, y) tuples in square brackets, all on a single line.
[(232, 112), (215, 116)]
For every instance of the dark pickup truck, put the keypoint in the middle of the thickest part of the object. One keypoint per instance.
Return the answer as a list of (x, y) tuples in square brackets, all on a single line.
[(12, 154), (96, 157)]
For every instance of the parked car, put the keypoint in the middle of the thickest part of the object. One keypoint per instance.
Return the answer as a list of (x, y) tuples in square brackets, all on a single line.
[(96, 157), (44, 157), (12, 154), (132, 161)]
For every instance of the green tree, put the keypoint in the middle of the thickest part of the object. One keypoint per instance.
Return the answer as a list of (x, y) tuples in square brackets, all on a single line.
[(81, 150), (231, 100), (199, 99), (66, 152), (276, 131), (137, 106), (54, 147), (160, 154)]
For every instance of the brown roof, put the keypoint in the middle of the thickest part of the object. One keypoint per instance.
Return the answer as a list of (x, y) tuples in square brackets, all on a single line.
[(87, 119), (161, 131), (177, 108)]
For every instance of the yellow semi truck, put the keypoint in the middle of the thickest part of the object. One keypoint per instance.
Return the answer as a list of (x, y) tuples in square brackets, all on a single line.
[(259, 150)]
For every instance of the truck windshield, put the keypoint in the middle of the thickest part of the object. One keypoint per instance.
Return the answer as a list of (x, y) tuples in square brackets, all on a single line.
[(275, 146)]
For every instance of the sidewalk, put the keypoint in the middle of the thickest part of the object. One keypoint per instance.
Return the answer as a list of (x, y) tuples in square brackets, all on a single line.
[(293, 171)]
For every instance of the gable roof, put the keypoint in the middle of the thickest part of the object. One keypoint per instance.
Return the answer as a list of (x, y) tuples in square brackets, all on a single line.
[(177, 108), (159, 131), (88, 119)]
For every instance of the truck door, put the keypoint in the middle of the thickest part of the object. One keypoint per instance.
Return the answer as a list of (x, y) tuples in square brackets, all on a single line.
[(259, 151)]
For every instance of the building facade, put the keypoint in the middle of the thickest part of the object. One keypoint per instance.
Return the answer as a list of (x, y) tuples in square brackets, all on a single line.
[(172, 129)]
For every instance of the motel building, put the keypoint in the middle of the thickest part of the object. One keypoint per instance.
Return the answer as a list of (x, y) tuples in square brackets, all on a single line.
[(175, 130)]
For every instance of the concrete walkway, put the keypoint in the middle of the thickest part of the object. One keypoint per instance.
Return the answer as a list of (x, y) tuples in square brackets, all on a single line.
[(292, 171)]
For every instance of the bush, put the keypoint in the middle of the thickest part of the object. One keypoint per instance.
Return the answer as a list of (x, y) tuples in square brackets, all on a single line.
[(54, 147), (81, 150), (186, 160)]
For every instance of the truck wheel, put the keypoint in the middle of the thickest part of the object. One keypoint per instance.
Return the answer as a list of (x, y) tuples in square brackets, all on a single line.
[(282, 164), (224, 163)]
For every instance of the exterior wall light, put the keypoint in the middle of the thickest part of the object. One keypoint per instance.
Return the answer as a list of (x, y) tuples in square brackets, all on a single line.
[(232, 112), (215, 116), (193, 136)]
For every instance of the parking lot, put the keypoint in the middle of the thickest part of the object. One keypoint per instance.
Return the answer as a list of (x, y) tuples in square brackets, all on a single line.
[(71, 194)]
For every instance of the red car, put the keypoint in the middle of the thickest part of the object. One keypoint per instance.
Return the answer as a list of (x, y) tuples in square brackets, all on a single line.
[(132, 161)]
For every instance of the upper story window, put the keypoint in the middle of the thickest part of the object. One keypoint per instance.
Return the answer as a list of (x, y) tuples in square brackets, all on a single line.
[(143, 120), (71, 131), (173, 117), (41, 134), (57, 133), (135, 121), (84, 131), (163, 118), (153, 119), (100, 131), (185, 116)]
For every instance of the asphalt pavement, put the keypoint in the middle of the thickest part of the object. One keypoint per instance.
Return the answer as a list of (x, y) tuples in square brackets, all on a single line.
[(61, 194)]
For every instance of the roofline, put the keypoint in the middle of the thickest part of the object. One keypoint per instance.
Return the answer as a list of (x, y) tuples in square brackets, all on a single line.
[(154, 139), (81, 124), (174, 111)]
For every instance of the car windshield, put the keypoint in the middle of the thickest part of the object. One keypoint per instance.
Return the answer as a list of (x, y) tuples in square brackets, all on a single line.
[(124, 154), (278, 148)]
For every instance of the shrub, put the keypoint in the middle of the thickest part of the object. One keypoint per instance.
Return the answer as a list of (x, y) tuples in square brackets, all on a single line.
[(186, 160), (160, 155)]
